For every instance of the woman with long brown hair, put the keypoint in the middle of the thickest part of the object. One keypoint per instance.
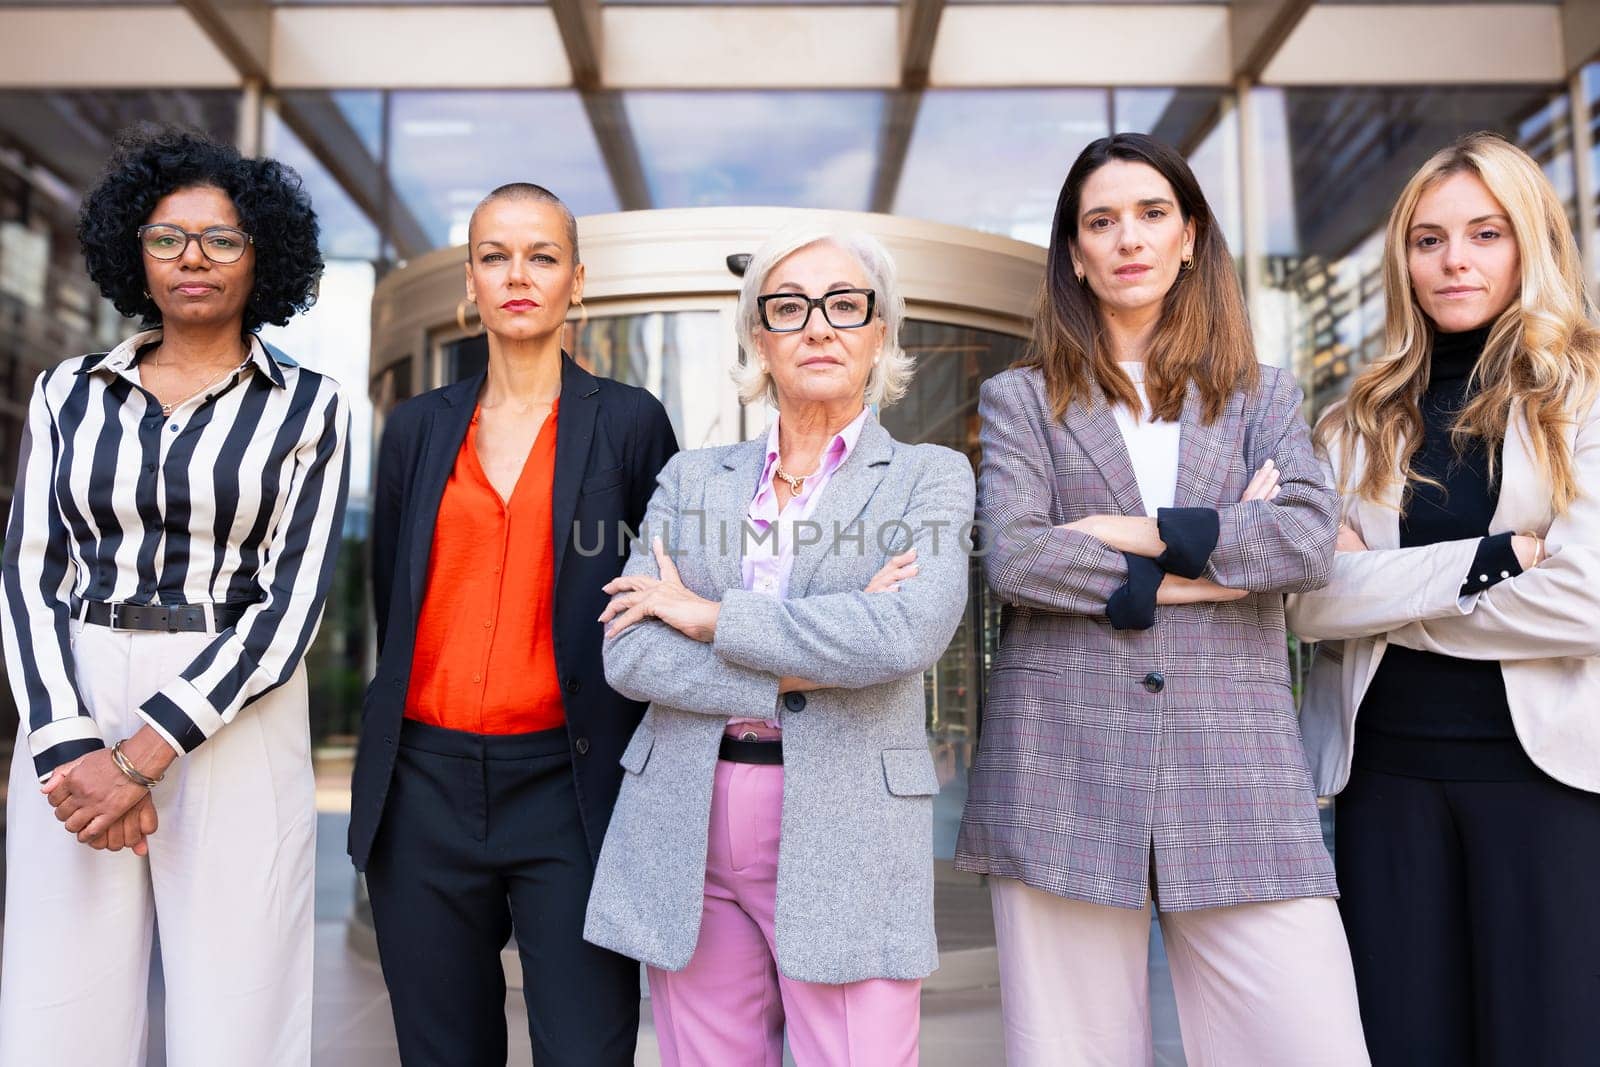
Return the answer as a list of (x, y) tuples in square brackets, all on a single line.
[(1149, 494), (1460, 624)]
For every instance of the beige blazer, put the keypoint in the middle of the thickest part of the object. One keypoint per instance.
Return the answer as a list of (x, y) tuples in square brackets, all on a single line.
[(1542, 625)]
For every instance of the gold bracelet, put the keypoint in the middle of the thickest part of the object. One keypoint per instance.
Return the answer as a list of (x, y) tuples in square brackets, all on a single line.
[(129, 771)]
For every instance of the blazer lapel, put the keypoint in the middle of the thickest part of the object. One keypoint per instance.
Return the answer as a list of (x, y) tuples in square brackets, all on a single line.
[(843, 499), (580, 406), (1097, 433), (441, 443), (1525, 501), (726, 507), (1377, 523), (1205, 452)]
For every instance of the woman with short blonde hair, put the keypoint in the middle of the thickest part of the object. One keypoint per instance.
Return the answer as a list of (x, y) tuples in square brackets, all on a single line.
[(1452, 705)]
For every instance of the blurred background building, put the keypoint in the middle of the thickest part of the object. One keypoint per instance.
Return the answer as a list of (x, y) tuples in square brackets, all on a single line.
[(952, 121)]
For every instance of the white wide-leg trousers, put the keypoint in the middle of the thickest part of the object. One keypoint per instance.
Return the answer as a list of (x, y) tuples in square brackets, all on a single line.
[(229, 879), (1257, 985)]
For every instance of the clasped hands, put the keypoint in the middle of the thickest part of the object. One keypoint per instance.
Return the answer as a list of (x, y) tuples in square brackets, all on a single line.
[(1139, 536), (101, 806)]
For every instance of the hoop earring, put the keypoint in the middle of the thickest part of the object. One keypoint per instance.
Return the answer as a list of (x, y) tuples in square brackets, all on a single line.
[(583, 315), (1188, 262), (1080, 276), (461, 319)]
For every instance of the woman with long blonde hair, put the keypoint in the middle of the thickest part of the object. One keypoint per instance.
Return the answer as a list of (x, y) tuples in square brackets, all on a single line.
[(1454, 700)]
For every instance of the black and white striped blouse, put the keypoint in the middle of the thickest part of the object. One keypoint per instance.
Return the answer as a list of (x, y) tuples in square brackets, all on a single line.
[(237, 497)]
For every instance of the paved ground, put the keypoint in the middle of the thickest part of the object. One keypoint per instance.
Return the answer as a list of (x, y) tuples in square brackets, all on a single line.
[(353, 1028)]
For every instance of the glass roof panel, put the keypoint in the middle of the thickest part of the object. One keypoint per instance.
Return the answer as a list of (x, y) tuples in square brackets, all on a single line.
[(995, 159), (346, 231), (447, 149), (790, 149)]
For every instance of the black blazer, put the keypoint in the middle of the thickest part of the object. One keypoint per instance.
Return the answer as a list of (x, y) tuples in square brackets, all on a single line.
[(611, 441)]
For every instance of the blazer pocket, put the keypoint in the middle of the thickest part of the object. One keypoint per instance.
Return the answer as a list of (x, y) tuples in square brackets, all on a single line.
[(637, 754), (909, 772), (606, 479)]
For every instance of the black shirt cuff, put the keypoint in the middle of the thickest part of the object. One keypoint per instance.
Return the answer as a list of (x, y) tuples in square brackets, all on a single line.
[(1133, 605), (1190, 535), (1495, 562)]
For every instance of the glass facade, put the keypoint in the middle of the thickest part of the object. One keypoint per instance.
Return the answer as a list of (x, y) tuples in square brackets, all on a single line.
[(1332, 163), (994, 159), (395, 172)]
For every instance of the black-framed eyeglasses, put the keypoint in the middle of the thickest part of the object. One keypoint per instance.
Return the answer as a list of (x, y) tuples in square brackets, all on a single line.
[(844, 309), (220, 244)]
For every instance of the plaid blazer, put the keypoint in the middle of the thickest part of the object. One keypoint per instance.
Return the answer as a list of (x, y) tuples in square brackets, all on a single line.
[(1113, 758)]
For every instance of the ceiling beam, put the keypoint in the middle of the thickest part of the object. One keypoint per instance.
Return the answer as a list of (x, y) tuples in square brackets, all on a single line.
[(919, 28), (614, 134), (1580, 32), (1258, 28), (319, 124), (583, 36), (582, 32), (241, 30), (894, 144), (1375, 44)]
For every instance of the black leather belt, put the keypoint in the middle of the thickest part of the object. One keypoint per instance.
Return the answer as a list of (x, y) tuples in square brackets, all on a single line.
[(162, 618), (736, 751)]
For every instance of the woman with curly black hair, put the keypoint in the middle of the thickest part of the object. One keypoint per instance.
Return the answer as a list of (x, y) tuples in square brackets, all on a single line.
[(173, 531)]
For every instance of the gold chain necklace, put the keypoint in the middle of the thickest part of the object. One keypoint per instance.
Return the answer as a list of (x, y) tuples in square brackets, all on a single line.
[(168, 409), (795, 480)]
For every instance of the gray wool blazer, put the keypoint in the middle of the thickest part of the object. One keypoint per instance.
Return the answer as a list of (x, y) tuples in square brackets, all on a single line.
[(1106, 753), (855, 880)]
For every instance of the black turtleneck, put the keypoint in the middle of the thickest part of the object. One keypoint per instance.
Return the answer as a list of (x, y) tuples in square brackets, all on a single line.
[(1428, 715)]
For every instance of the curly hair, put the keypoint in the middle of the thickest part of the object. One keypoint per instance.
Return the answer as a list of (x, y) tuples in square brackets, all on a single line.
[(150, 161)]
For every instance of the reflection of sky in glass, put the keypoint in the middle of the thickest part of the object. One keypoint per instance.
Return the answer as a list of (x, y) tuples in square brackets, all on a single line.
[(1140, 110), (1277, 171), (363, 110), (1215, 163), (447, 149), (995, 159), (789, 149), (346, 230)]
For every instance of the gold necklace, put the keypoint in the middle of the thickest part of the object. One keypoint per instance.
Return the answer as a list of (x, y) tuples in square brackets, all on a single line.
[(795, 480), (168, 409)]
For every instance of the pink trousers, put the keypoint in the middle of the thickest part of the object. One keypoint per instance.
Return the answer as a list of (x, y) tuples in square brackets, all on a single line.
[(730, 1005)]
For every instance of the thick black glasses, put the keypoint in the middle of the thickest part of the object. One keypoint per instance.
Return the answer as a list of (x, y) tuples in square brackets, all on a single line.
[(844, 309), (221, 244)]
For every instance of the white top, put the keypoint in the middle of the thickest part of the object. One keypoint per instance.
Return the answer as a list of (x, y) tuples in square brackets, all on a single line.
[(1152, 446)]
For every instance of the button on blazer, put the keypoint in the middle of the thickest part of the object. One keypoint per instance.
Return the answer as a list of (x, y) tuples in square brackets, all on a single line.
[(855, 873), (1107, 751)]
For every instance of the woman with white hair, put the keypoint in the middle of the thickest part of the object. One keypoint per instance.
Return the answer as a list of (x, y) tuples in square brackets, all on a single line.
[(771, 855)]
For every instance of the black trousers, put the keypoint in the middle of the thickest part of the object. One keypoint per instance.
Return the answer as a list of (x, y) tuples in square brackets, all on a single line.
[(481, 836), (1471, 909)]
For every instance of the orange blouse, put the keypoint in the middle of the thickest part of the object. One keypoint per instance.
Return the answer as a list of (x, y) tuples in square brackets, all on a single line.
[(485, 659)]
